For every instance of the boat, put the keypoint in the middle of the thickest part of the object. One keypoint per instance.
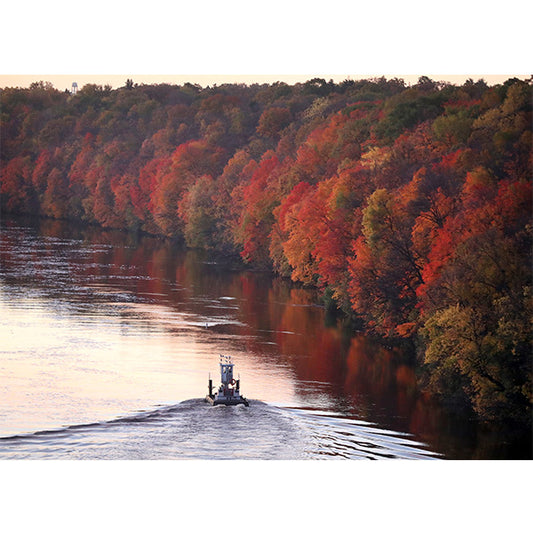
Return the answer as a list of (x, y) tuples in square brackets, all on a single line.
[(229, 391)]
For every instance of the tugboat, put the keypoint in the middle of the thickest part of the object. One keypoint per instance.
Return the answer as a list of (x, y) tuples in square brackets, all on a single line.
[(228, 393)]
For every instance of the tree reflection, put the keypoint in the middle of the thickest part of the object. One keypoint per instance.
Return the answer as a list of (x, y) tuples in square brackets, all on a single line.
[(274, 321)]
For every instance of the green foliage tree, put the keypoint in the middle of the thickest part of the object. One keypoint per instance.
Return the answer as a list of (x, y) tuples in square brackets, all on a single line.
[(197, 210)]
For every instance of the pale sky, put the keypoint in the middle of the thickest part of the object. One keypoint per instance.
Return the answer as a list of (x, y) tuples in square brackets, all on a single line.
[(64, 81)]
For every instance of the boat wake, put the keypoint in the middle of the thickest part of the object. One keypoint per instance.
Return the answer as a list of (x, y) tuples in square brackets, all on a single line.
[(193, 429)]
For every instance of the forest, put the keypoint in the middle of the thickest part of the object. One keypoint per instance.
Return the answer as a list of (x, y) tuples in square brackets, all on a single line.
[(408, 207)]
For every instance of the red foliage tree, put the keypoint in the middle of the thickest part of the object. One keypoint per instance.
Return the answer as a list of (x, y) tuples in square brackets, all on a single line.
[(188, 162), (16, 185), (259, 199)]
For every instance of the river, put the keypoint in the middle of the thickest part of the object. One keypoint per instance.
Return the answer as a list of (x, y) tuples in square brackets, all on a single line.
[(108, 339)]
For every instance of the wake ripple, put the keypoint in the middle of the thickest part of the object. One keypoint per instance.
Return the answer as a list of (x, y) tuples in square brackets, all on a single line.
[(194, 429)]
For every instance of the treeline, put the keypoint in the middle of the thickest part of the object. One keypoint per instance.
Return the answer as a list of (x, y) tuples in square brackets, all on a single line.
[(409, 207)]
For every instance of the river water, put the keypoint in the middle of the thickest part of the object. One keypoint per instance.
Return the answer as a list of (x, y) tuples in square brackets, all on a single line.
[(107, 341)]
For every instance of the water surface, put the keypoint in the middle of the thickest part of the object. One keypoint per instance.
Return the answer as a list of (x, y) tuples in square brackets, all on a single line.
[(108, 340)]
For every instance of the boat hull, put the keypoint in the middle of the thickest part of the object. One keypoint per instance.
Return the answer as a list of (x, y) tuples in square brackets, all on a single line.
[(227, 401)]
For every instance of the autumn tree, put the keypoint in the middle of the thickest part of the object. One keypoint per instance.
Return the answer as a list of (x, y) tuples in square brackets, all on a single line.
[(478, 300), (15, 187), (273, 120), (259, 198), (189, 162)]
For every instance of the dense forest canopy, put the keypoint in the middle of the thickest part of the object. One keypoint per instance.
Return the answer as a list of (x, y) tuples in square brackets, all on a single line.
[(407, 206)]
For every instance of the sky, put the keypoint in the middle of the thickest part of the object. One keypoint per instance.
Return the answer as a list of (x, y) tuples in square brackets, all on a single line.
[(65, 81)]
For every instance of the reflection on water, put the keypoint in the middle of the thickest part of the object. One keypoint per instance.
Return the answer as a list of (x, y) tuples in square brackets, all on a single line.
[(97, 325)]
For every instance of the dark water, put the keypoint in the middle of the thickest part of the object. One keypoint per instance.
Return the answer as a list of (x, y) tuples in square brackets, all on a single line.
[(107, 340)]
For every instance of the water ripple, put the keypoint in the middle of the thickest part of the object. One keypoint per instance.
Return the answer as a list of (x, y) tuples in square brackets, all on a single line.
[(194, 430)]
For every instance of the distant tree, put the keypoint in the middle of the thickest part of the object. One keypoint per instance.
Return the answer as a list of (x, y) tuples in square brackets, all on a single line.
[(55, 198), (197, 210), (273, 120), (15, 185), (189, 162)]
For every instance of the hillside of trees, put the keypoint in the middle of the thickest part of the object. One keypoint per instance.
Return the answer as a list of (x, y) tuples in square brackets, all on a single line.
[(408, 207)]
